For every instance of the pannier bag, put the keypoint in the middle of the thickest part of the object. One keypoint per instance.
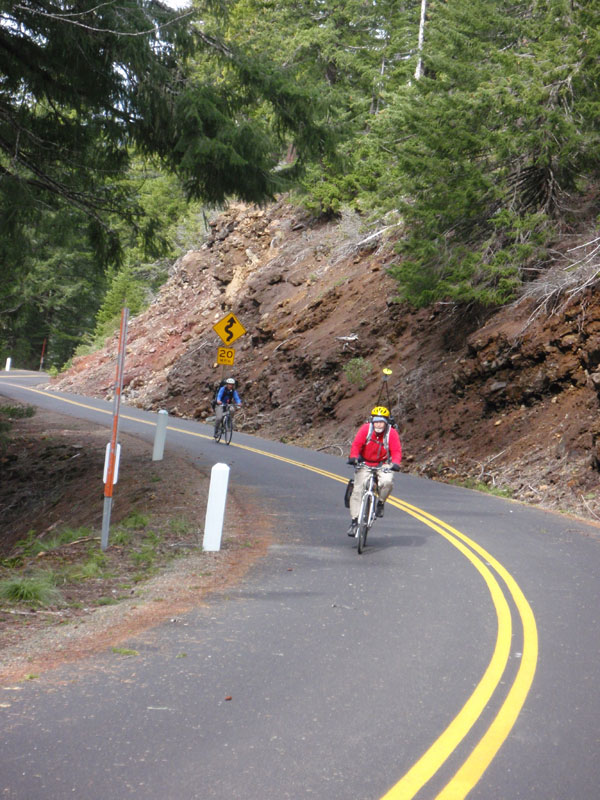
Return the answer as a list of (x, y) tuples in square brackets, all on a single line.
[(349, 490)]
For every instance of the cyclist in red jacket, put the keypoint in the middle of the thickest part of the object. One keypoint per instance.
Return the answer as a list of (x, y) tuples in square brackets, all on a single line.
[(376, 443)]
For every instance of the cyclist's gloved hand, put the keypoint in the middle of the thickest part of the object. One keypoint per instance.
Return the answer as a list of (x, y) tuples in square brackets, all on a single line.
[(395, 467), (352, 462)]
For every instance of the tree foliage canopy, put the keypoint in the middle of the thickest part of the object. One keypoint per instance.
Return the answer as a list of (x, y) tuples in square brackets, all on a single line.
[(482, 161), (84, 87)]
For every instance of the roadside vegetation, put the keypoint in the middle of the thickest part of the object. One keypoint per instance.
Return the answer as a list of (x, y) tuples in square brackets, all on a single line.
[(482, 486), (52, 568), (8, 413), (68, 570)]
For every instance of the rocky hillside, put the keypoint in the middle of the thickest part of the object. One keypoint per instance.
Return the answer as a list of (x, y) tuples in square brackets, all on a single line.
[(509, 399)]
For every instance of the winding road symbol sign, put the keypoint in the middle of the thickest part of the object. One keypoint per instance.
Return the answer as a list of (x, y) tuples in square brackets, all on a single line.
[(229, 329)]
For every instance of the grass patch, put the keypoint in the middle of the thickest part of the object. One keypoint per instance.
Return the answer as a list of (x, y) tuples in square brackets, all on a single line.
[(481, 486), (144, 557), (180, 526), (32, 590), (121, 537), (123, 651), (135, 520), (106, 601), (32, 545), (94, 567)]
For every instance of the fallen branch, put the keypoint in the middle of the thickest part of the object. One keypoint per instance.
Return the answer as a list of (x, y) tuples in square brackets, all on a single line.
[(70, 544), (33, 611), (588, 508), (328, 446), (289, 339), (376, 234)]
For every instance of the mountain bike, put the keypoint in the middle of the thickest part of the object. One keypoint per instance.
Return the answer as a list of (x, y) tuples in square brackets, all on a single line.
[(368, 505), (224, 429)]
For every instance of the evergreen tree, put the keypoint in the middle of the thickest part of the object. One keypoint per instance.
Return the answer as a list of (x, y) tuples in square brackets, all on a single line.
[(355, 54), (86, 84), (488, 151)]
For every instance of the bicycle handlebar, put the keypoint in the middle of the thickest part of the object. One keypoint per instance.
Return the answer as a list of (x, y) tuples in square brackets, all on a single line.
[(381, 467)]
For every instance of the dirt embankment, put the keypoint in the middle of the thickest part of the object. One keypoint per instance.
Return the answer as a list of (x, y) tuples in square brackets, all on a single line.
[(508, 398), (154, 567)]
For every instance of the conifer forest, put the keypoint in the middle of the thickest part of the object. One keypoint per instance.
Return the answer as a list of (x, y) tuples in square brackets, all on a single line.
[(469, 128)]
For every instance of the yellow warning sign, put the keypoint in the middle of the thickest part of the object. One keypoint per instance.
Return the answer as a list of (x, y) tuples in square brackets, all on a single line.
[(225, 355), (229, 329)]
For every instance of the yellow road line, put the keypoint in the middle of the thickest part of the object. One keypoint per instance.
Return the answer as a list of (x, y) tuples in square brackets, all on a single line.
[(437, 754), (484, 752)]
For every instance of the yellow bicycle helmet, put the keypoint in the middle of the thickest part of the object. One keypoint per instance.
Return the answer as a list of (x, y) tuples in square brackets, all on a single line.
[(380, 411)]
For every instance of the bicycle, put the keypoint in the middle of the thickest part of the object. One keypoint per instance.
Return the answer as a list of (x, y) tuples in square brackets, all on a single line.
[(224, 430), (368, 505)]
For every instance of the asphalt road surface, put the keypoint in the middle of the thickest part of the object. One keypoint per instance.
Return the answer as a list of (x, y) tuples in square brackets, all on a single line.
[(458, 656)]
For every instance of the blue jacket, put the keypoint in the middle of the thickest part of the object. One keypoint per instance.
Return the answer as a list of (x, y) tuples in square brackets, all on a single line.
[(227, 396)]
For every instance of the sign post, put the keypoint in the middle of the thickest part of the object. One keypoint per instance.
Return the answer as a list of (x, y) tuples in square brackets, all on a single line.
[(111, 466), (42, 356)]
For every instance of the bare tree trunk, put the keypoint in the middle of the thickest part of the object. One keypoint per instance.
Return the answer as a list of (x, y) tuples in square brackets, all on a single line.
[(376, 90), (419, 69)]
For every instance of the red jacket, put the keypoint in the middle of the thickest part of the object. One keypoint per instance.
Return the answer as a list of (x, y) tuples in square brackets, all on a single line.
[(374, 452)]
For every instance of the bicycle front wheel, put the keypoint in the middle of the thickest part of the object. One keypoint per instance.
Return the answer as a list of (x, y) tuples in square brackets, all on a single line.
[(228, 429), (363, 522)]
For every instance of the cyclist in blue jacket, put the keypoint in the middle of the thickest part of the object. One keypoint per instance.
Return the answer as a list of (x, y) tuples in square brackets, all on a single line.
[(226, 396)]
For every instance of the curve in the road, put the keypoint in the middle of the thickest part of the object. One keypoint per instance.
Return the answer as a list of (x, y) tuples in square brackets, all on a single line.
[(482, 754)]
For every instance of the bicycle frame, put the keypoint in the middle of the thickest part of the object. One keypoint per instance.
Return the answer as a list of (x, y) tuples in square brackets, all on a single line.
[(225, 427), (368, 504)]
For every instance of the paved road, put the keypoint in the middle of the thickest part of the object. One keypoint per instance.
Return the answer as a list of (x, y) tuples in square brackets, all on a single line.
[(457, 656)]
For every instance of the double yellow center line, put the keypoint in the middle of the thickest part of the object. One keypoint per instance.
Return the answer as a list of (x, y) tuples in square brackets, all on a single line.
[(490, 742), (492, 572)]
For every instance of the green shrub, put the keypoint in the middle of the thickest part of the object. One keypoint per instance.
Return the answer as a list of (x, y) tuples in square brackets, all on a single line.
[(17, 412), (357, 370), (7, 413)]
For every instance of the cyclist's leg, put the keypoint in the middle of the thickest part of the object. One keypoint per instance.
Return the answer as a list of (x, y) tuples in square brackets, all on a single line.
[(360, 476), (218, 418), (385, 482)]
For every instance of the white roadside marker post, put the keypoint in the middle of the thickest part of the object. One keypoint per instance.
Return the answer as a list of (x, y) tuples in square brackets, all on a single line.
[(215, 507), (7, 367), (111, 461), (160, 435)]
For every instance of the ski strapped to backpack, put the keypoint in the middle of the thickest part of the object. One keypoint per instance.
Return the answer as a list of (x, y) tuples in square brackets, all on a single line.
[(384, 389)]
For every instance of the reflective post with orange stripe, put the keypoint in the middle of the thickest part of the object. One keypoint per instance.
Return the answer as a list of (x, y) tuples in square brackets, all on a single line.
[(112, 454)]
